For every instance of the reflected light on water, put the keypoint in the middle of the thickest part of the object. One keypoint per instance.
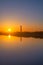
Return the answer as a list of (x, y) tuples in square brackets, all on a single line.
[(9, 36), (14, 43)]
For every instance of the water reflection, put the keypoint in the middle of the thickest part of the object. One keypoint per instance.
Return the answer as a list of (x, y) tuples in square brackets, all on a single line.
[(18, 50), (21, 39), (9, 36)]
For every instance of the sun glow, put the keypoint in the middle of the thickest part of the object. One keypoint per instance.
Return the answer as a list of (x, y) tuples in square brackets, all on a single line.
[(9, 30)]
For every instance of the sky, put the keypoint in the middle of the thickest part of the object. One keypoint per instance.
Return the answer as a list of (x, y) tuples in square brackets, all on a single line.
[(28, 13)]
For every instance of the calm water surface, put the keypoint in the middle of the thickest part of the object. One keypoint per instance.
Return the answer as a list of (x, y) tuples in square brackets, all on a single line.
[(22, 51)]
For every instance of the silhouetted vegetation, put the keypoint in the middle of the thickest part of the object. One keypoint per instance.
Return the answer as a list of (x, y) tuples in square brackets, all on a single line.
[(25, 34)]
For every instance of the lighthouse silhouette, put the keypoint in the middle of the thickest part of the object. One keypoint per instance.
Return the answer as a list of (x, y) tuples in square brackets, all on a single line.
[(20, 28)]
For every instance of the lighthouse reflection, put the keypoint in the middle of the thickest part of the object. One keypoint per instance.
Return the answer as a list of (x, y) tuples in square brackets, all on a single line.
[(20, 39)]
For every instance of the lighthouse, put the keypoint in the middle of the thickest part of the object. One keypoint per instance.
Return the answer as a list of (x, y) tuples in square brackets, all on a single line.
[(20, 28)]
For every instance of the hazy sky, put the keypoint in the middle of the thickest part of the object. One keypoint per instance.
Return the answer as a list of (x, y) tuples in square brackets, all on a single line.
[(28, 13)]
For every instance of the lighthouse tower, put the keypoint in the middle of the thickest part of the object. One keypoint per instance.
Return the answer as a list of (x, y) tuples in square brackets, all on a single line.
[(20, 28)]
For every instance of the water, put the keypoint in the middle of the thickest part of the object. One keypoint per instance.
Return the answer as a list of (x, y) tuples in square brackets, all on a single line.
[(22, 51)]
